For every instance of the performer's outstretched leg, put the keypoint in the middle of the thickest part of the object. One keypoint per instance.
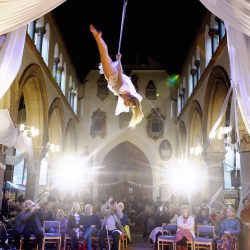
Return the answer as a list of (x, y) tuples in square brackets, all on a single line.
[(103, 50)]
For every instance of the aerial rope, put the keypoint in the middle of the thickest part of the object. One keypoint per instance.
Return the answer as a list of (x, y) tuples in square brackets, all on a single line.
[(122, 23)]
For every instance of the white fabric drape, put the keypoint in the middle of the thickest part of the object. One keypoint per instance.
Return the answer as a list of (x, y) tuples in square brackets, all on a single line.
[(236, 15), (11, 54), (17, 13), (8, 132), (15, 159)]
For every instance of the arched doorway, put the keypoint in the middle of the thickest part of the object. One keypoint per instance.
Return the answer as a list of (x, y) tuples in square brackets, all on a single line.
[(126, 174)]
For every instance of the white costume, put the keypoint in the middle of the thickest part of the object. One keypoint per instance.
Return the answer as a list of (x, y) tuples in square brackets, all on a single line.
[(127, 86)]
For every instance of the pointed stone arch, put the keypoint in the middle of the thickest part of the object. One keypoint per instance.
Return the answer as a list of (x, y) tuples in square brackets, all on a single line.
[(70, 138), (32, 88), (195, 125), (124, 164), (217, 88)]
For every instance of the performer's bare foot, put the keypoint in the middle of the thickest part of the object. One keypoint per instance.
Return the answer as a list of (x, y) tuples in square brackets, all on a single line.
[(94, 31)]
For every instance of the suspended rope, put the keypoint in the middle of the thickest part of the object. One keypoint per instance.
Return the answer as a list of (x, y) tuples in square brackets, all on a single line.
[(122, 23)]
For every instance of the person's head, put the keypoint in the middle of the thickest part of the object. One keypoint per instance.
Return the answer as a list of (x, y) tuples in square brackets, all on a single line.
[(204, 212), (76, 207), (88, 209), (185, 210), (135, 105), (246, 203), (121, 206), (231, 213), (60, 213), (113, 206), (28, 204)]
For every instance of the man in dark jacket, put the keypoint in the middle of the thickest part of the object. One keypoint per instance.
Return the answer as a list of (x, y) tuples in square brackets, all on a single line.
[(31, 223)]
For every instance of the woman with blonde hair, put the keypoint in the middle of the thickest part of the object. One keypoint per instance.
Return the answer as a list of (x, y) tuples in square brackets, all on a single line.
[(229, 230), (118, 83)]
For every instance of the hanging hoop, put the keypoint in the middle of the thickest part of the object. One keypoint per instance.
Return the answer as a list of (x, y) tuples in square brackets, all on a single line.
[(122, 23)]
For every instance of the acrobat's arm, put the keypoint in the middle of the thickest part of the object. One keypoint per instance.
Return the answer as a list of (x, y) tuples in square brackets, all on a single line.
[(119, 67)]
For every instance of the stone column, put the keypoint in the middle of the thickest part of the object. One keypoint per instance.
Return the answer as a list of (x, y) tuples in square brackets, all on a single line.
[(39, 42), (32, 29), (59, 71), (55, 65), (193, 73), (33, 174), (198, 70), (212, 33), (215, 176), (245, 164)]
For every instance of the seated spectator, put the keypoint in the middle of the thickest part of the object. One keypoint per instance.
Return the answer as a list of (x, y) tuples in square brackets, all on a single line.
[(31, 223), (111, 224), (63, 220), (204, 218), (91, 224), (173, 216), (46, 211), (73, 225), (185, 228), (124, 221), (220, 217), (245, 212), (229, 230)]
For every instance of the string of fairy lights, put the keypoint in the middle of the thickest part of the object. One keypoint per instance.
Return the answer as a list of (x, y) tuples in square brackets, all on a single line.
[(128, 181)]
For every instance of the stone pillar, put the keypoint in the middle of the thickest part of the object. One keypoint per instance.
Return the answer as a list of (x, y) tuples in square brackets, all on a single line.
[(245, 165), (215, 175), (33, 174), (198, 69), (193, 73), (39, 42), (59, 71), (212, 33), (55, 65), (32, 29), (220, 28)]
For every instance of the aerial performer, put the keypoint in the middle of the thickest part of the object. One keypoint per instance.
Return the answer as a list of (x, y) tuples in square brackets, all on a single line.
[(118, 83)]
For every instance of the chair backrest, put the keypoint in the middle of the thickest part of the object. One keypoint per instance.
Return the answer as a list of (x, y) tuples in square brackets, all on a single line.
[(171, 229), (205, 231), (51, 227)]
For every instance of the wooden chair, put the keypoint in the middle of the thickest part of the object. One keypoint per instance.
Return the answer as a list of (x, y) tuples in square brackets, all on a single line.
[(169, 239), (52, 233), (124, 241), (205, 237), (32, 237), (67, 240)]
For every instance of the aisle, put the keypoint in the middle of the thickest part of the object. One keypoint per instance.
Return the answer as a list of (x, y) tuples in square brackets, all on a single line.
[(138, 243)]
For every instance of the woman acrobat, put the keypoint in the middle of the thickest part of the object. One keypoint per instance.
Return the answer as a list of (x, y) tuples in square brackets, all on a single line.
[(118, 83)]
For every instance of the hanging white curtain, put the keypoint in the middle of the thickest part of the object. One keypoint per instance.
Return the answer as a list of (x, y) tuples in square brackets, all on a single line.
[(11, 54), (17, 13), (8, 132), (236, 15)]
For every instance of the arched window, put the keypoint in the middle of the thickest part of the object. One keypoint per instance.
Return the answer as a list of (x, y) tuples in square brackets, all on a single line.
[(198, 63), (31, 30), (98, 126), (208, 46), (63, 81), (178, 101), (75, 100), (59, 70), (151, 91), (155, 125), (70, 90), (56, 60), (45, 45), (214, 33), (194, 73), (190, 81), (39, 33)]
